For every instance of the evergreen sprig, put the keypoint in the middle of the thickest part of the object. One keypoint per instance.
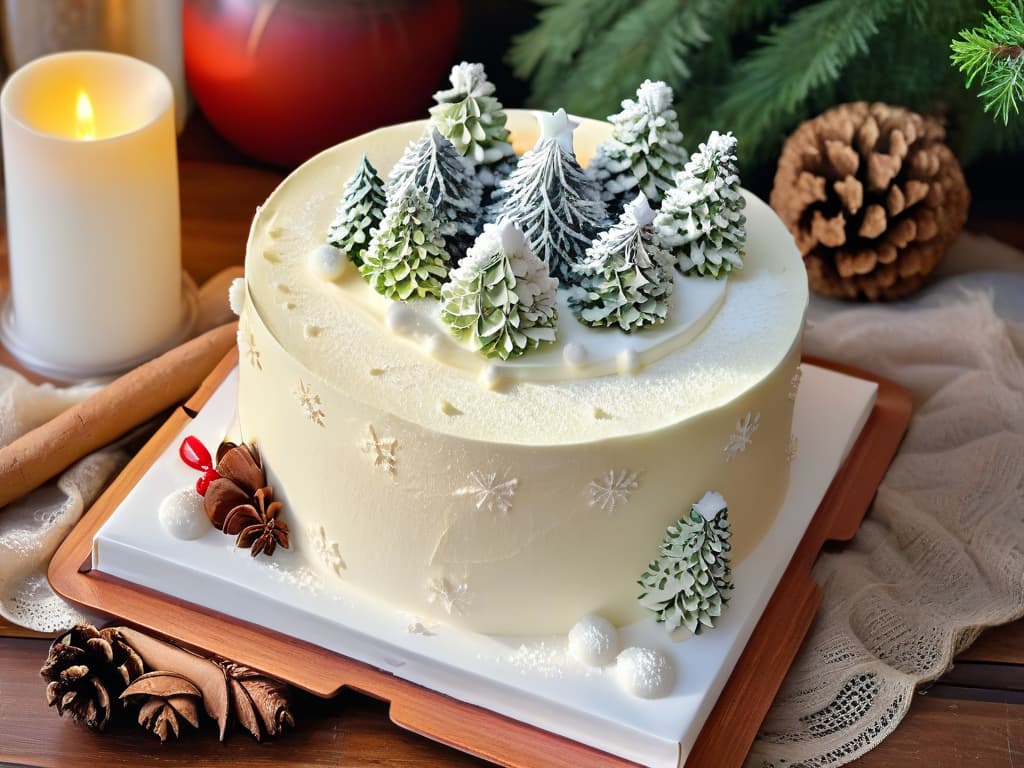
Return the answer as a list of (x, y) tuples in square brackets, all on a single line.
[(759, 67), (994, 55)]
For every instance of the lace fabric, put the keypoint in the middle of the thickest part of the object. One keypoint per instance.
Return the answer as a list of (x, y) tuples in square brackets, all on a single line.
[(941, 555), (33, 527)]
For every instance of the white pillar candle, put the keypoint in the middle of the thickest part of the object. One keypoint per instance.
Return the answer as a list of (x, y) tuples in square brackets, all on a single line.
[(93, 220)]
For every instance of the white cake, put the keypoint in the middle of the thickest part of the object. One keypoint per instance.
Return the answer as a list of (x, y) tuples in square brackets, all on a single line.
[(507, 497)]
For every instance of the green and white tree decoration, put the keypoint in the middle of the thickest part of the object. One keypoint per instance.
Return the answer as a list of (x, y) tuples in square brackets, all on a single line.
[(645, 150), (688, 585), (407, 256), (626, 279), (473, 120), (359, 212), (555, 204), (701, 218), (432, 164), (501, 297)]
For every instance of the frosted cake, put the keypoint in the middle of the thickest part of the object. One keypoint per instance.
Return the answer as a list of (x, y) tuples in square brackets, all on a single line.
[(509, 495)]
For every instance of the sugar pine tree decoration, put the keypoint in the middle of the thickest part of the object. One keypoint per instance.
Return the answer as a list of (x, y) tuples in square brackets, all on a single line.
[(645, 150), (701, 218), (473, 120), (689, 584), (433, 165), (407, 254), (556, 205), (626, 279), (501, 296), (359, 212)]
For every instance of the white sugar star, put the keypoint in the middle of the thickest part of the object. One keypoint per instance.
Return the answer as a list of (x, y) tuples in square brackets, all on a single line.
[(557, 125)]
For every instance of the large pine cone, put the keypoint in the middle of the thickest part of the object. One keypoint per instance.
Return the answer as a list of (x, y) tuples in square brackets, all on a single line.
[(873, 198), (87, 669)]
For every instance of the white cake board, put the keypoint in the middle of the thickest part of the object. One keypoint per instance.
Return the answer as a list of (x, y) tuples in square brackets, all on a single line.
[(528, 679)]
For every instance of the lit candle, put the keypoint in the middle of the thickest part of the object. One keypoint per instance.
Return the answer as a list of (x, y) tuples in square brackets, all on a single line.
[(93, 222)]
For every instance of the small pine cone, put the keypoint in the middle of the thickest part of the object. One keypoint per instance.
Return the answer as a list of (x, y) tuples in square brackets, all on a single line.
[(86, 670), (873, 197)]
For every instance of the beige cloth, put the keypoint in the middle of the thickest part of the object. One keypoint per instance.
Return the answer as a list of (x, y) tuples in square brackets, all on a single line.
[(32, 528), (941, 555)]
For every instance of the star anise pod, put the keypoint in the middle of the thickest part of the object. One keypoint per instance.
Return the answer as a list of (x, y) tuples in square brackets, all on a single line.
[(241, 475), (167, 698), (87, 669), (261, 704), (256, 524)]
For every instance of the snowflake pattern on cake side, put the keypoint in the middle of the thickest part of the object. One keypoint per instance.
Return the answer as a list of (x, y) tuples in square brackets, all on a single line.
[(382, 450), (793, 449), (453, 596), (612, 491), (794, 383), (327, 550), (741, 439), (247, 343), (310, 403), (489, 492)]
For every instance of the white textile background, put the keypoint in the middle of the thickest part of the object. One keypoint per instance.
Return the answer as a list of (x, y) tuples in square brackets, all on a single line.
[(940, 557)]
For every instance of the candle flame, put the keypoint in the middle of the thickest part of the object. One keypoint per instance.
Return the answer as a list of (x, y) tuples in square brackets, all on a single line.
[(85, 122)]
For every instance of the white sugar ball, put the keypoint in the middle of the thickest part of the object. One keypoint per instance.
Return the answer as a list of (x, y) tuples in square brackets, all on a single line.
[(326, 262), (182, 515), (645, 672), (594, 641), (575, 354), (236, 295), (491, 377)]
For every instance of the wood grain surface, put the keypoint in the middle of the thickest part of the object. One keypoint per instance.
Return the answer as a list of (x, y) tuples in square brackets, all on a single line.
[(974, 716)]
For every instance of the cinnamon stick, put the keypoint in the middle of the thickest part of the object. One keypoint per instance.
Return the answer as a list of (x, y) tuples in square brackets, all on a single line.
[(133, 399)]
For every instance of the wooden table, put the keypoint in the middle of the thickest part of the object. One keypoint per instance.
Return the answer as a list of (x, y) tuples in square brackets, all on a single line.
[(974, 715)]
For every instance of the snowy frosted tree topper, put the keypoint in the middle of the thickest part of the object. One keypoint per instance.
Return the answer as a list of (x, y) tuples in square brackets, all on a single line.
[(501, 296)]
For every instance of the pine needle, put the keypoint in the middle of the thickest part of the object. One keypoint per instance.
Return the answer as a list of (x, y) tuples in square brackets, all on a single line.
[(994, 54)]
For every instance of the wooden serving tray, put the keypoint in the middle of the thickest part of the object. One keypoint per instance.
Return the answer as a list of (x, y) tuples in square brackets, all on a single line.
[(728, 732)]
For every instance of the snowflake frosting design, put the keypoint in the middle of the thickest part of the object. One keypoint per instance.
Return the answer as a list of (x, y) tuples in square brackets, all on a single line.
[(793, 449), (327, 550), (613, 490), (741, 439), (489, 492), (453, 596), (382, 450), (251, 352), (310, 403), (794, 383)]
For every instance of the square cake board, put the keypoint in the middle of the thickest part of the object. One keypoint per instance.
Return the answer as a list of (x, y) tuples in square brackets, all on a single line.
[(515, 706)]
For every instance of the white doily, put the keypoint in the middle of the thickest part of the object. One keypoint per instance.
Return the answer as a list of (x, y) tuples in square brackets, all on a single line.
[(33, 527), (941, 555)]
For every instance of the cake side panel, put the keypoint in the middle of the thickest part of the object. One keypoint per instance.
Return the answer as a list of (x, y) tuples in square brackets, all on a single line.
[(500, 538)]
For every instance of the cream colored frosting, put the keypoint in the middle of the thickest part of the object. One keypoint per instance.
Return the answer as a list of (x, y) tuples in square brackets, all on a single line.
[(508, 497)]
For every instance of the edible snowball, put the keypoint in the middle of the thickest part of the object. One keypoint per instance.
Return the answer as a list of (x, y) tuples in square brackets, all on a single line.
[(182, 515), (645, 672), (327, 262), (236, 295), (594, 641)]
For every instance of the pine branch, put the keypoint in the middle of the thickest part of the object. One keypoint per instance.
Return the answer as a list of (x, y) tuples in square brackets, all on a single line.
[(994, 54), (773, 85), (565, 27)]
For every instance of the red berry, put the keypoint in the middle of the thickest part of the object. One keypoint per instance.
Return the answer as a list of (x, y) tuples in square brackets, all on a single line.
[(203, 483), (195, 454)]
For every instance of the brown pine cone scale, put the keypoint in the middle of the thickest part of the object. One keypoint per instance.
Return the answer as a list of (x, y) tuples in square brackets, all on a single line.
[(873, 198)]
